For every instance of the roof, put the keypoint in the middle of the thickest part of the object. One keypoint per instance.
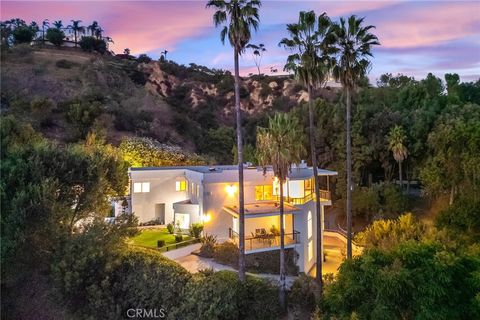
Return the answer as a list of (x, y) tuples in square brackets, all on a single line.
[(262, 208), (296, 173)]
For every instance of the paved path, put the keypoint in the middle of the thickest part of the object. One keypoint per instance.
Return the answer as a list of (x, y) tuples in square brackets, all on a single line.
[(194, 264)]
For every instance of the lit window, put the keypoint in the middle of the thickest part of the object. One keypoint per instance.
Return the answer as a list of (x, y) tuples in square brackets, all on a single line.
[(198, 190), (309, 225), (192, 188), (310, 250), (140, 187), (263, 192), (181, 185), (137, 187)]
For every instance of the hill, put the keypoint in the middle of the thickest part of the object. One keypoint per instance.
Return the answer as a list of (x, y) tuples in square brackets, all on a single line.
[(67, 93)]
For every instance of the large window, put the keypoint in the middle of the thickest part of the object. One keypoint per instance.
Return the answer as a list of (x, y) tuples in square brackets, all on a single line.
[(309, 225), (263, 192), (181, 185), (141, 187)]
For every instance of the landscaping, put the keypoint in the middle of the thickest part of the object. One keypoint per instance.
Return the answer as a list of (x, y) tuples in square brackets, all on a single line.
[(150, 237)]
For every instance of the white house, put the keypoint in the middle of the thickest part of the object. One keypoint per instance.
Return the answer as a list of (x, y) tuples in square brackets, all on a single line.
[(209, 195)]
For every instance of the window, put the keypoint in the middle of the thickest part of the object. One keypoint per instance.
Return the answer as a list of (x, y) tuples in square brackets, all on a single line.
[(192, 187), (309, 225), (263, 192), (310, 250), (140, 187), (181, 185), (198, 191)]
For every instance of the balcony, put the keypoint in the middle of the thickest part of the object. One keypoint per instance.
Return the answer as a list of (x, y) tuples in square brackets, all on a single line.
[(324, 196), (259, 242)]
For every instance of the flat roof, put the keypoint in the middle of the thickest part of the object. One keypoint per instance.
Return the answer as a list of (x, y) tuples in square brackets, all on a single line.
[(296, 173), (262, 208)]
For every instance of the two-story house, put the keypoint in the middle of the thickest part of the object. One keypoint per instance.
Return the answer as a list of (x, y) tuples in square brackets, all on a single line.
[(209, 195)]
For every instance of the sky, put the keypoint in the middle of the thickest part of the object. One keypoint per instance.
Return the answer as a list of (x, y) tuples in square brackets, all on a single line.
[(417, 37)]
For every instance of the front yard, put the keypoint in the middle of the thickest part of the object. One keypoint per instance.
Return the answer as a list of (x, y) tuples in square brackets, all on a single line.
[(149, 237)]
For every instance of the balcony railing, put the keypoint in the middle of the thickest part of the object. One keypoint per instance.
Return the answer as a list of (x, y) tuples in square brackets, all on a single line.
[(324, 195), (266, 240)]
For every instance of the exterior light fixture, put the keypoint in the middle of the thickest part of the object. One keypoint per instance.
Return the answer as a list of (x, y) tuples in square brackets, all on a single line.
[(231, 190), (206, 218)]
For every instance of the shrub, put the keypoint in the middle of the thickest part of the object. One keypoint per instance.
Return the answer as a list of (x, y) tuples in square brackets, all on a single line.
[(208, 246), (226, 253), (170, 228), (93, 44), (23, 34), (65, 64), (178, 238), (269, 262), (143, 58), (302, 294), (220, 295), (196, 229), (160, 243), (55, 36)]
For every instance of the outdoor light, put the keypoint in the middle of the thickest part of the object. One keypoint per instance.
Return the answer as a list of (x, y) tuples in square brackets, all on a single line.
[(206, 218), (231, 190)]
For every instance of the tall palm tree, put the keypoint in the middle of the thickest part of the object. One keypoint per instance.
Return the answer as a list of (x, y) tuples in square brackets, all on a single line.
[(280, 145), (99, 32), (351, 44), (58, 24), (76, 28), (311, 66), (257, 52), (238, 18), (93, 27), (45, 24), (396, 141)]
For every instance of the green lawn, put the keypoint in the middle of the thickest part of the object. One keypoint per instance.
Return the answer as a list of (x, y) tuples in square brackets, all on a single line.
[(149, 237)]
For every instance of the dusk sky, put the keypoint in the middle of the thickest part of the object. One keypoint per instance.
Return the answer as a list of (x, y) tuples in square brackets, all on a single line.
[(417, 37)]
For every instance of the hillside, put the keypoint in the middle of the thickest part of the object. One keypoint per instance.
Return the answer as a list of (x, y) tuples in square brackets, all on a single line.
[(67, 93)]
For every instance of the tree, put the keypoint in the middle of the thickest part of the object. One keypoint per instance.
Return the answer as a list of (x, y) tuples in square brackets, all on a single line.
[(77, 29), (126, 51), (55, 36), (239, 17), (351, 45), (24, 33), (93, 27), (280, 145), (45, 24), (257, 52), (58, 24), (99, 33), (311, 66), (396, 141)]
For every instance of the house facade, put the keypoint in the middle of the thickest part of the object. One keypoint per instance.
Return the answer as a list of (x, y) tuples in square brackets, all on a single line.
[(209, 195)]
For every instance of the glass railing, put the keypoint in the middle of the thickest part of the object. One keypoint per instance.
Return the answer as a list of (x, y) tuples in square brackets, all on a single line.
[(325, 195), (262, 241)]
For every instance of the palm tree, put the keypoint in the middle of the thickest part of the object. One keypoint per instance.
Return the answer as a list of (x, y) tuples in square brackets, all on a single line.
[(93, 27), (396, 141), (311, 66), (45, 24), (58, 24), (257, 52), (98, 32), (351, 44), (280, 145), (239, 17), (76, 28)]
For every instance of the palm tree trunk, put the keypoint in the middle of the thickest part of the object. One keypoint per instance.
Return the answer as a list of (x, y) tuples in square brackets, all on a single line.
[(349, 174), (400, 174), (319, 261), (282, 251), (241, 211), (75, 33)]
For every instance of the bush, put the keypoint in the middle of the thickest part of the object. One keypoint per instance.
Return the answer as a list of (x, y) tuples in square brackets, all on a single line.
[(160, 243), (55, 36), (208, 246), (170, 228), (226, 253), (302, 294), (269, 262), (220, 295), (178, 238), (23, 34), (196, 229), (143, 58), (93, 44), (65, 64)]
